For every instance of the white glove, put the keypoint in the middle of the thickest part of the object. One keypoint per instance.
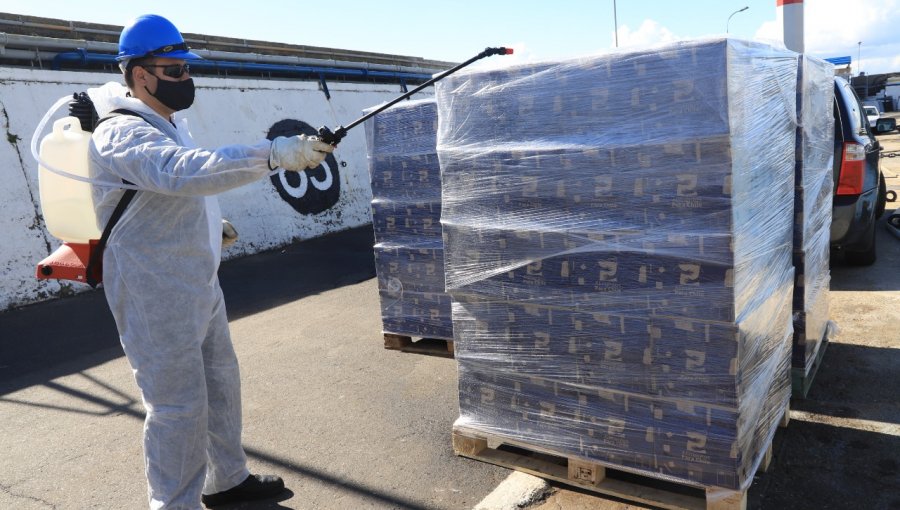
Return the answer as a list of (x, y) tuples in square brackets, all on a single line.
[(298, 153), (229, 234)]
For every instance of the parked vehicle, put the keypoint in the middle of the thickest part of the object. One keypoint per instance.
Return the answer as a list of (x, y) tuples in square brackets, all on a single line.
[(872, 114), (860, 192)]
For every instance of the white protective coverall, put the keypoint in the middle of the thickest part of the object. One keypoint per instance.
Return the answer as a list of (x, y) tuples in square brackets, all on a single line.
[(160, 279)]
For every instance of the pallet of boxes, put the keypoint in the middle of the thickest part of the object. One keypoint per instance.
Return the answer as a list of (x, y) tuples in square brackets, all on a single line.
[(406, 212), (814, 184), (618, 247)]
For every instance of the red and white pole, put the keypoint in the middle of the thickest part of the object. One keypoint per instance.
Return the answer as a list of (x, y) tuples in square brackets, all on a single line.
[(792, 14)]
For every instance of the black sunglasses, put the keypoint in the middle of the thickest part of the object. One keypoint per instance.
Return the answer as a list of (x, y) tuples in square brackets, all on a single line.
[(172, 70)]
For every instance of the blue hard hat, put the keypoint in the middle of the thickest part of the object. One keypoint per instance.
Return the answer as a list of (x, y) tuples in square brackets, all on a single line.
[(152, 35)]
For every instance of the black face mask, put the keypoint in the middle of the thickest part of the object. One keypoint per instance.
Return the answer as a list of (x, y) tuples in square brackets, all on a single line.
[(177, 95)]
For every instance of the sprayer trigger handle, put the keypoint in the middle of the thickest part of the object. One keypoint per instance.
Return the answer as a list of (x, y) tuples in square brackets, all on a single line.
[(332, 137)]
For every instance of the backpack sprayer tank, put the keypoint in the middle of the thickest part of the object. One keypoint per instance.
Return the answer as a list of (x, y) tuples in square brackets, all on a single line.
[(66, 203)]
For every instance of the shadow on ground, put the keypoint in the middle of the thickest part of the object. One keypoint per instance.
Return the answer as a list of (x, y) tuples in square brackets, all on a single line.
[(823, 466), (48, 340), (840, 451)]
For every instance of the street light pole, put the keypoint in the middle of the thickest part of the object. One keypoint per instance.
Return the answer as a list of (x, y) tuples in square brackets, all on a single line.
[(859, 73), (732, 14), (616, 23), (858, 61)]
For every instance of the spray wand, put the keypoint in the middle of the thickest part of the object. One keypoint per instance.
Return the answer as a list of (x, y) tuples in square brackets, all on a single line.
[(334, 137)]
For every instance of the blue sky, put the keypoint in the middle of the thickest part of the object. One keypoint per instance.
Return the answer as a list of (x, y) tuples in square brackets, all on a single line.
[(454, 30)]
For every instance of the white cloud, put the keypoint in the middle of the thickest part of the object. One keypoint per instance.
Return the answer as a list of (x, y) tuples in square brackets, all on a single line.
[(770, 31), (648, 34), (832, 28), (832, 25)]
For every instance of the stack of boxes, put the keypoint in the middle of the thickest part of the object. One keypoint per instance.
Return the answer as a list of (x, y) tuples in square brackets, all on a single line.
[(406, 212), (812, 208), (618, 247)]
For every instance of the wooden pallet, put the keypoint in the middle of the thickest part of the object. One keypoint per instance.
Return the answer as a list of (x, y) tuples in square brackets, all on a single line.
[(610, 480), (801, 380), (430, 346)]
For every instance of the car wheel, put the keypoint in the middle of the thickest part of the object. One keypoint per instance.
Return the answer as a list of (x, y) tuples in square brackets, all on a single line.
[(866, 257)]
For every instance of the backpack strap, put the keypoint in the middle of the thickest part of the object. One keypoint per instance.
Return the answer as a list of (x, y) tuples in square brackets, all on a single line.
[(118, 112), (94, 269)]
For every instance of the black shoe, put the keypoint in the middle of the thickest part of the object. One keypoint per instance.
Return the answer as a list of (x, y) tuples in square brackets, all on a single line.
[(253, 488)]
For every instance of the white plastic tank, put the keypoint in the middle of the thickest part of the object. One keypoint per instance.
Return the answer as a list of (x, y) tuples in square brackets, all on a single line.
[(66, 203)]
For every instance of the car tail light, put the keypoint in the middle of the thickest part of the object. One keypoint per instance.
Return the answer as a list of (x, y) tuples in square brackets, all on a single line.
[(853, 170)]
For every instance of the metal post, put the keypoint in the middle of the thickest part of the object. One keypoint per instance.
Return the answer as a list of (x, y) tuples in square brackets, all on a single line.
[(616, 23), (792, 14)]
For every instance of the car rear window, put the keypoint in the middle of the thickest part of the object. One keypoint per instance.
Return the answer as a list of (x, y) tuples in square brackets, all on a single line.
[(858, 122)]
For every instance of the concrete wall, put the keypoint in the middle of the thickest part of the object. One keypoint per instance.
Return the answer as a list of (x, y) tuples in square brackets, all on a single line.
[(267, 214)]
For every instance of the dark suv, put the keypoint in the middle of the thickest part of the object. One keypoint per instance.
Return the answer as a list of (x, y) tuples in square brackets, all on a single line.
[(859, 187)]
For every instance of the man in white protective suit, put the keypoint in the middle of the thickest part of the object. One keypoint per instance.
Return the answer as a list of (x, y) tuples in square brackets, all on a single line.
[(160, 267)]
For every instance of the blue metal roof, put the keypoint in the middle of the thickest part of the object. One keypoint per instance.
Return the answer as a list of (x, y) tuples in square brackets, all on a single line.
[(839, 61)]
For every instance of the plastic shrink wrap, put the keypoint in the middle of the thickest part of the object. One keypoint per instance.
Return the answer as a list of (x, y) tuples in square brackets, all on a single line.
[(618, 239), (406, 211), (812, 208)]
